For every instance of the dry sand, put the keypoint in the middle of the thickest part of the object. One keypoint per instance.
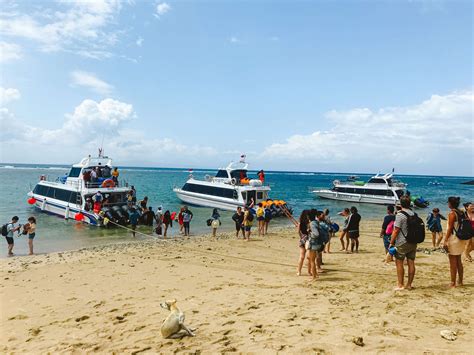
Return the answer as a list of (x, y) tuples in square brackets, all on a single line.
[(242, 296)]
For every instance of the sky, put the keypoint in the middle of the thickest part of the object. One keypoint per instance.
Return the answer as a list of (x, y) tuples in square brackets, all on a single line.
[(338, 86)]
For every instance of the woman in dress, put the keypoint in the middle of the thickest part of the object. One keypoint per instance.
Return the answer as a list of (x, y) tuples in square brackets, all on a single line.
[(453, 244), (303, 234), (469, 244)]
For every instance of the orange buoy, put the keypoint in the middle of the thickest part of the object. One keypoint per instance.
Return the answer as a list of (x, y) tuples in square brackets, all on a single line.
[(32, 201)]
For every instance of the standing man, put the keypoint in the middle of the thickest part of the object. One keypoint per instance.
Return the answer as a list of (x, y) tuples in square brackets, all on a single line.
[(7, 232), (261, 176), (94, 177), (403, 248), (134, 220), (187, 217), (238, 218)]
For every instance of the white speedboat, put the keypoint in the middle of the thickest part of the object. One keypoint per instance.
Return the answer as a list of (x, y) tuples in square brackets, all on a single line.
[(380, 189), (229, 189), (71, 195)]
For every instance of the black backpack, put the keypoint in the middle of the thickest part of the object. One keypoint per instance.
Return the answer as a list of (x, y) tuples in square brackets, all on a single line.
[(5, 230), (250, 217), (464, 231), (416, 229)]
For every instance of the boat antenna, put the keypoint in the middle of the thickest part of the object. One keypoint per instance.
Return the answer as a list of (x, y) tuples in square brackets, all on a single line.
[(393, 170), (101, 149)]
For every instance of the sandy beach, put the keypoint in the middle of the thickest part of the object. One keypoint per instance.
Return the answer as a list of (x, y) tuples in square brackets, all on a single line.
[(241, 296)]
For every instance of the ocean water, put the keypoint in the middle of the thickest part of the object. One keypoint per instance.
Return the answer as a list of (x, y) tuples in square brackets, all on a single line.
[(57, 234)]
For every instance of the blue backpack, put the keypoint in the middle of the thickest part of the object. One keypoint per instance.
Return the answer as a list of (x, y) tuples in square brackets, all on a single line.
[(323, 232)]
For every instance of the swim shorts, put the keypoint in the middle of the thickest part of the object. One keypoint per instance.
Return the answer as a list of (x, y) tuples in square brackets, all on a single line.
[(406, 250), (260, 218), (248, 228), (386, 241), (31, 236), (238, 227), (353, 234), (9, 240)]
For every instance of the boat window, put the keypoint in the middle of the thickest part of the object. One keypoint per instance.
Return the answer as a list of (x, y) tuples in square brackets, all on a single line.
[(209, 190), (259, 195), (222, 174), (244, 196), (376, 181), (75, 172), (41, 190)]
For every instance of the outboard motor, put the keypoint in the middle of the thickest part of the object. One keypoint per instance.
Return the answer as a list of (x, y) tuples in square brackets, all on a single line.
[(118, 212)]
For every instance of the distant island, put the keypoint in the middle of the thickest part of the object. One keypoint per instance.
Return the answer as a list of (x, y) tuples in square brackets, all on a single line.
[(468, 182)]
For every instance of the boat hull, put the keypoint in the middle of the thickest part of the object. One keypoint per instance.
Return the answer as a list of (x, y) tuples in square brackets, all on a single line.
[(65, 211), (359, 198), (202, 200)]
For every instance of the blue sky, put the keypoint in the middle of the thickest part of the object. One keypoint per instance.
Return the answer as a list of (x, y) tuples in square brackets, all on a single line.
[(313, 86)]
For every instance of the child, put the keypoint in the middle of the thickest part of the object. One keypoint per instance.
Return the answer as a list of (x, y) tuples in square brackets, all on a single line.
[(433, 222)]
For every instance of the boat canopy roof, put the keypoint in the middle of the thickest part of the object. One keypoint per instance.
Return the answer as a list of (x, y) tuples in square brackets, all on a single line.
[(94, 161)]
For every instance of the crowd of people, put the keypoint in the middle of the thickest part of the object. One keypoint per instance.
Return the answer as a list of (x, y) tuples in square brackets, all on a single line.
[(93, 177), (402, 230)]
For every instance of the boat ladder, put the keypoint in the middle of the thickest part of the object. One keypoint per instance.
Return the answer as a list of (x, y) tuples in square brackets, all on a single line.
[(289, 215)]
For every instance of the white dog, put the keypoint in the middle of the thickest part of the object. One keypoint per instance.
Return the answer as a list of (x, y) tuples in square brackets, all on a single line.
[(173, 326)]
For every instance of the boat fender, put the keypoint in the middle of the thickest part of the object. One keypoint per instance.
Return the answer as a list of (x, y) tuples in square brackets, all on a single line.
[(233, 181)]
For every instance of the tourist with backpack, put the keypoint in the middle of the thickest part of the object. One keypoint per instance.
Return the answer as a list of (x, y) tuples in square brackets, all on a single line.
[(318, 238), (238, 218), (8, 230), (458, 232), (260, 219), (303, 232), (386, 232), (248, 223), (433, 222), (215, 221), (408, 231), (268, 215)]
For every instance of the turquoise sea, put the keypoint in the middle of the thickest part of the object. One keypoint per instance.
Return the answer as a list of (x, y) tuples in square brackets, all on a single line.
[(57, 234)]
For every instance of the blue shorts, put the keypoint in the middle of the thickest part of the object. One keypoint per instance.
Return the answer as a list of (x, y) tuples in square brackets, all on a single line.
[(31, 236), (260, 218), (247, 228), (386, 241)]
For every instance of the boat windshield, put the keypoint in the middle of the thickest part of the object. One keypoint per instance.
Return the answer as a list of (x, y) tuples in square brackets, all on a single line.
[(238, 174), (376, 181)]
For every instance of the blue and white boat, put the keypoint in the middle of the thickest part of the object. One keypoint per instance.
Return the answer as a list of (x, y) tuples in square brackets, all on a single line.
[(71, 196)]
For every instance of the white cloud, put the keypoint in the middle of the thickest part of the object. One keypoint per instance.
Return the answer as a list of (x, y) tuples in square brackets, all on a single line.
[(82, 27), (139, 41), (8, 95), (274, 38), (91, 81), (83, 131), (234, 39), (434, 136), (162, 8), (9, 52)]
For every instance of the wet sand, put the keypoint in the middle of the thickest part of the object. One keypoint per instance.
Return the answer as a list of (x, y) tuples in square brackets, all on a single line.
[(242, 296)]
